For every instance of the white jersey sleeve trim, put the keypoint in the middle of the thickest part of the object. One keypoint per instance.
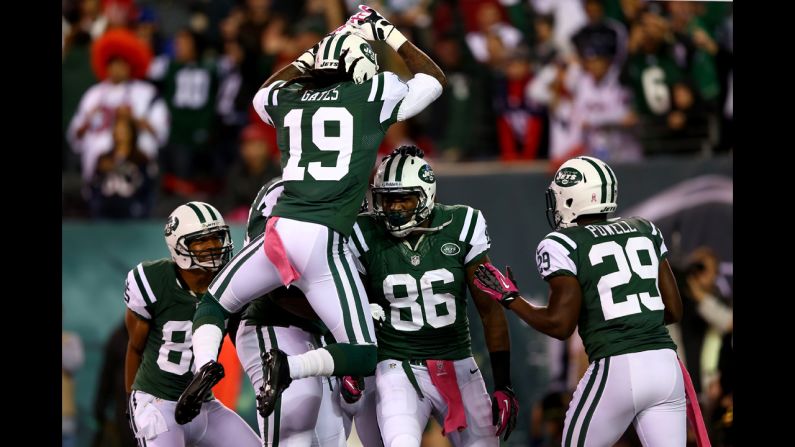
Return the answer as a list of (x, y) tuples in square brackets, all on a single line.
[(558, 258), (480, 240), (465, 228), (357, 231), (374, 87), (133, 296), (395, 91), (266, 97), (658, 233), (565, 238)]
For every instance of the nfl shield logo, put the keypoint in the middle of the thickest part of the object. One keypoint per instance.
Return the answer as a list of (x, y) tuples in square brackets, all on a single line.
[(415, 260)]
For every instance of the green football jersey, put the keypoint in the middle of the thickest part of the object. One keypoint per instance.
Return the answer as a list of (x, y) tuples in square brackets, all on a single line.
[(153, 291), (328, 139), (190, 90), (263, 311), (617, 265), (423, 288)]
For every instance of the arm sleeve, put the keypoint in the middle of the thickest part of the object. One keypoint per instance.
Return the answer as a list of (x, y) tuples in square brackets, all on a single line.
[(423, 89), (267, 97), (138, 293), (475, 236), (554, 256)]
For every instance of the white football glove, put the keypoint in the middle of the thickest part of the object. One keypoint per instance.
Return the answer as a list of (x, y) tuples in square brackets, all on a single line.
[(370, 25)]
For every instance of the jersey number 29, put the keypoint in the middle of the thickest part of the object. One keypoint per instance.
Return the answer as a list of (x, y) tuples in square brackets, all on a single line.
[(627, 261)]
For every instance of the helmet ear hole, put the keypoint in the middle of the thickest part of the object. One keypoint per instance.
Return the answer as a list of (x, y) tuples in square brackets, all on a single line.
[(569, 202)]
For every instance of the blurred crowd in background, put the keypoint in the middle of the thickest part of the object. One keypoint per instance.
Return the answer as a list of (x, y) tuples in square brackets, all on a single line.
[(157, 94)]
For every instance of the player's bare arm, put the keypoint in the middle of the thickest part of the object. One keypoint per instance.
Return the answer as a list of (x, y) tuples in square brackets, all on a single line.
[(558, 319), (287, 73), (419, 62), (138, 331), (495, 324), (670, 294)]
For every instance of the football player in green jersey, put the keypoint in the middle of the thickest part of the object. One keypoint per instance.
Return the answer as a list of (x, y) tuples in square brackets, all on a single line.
[(161, 298), (419, 258), (329, 121), (609, 278), (305, 413)]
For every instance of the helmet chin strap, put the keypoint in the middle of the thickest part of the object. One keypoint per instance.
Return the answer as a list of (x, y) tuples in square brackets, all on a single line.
[(419, 229)]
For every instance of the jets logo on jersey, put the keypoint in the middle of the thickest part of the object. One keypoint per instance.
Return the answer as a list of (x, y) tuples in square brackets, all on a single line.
[(426, 174), (568, 177), (368, 52), (171, 225), (450, 249)]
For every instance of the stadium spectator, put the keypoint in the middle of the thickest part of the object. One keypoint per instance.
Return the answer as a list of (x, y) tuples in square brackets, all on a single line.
[(123, 183), (120, 60)]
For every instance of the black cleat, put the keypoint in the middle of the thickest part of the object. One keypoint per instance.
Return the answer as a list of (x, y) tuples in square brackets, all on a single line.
[(275, 379), (190, 402)]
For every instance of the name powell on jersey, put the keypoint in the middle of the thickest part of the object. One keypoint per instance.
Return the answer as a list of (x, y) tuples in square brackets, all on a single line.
[(568, 177)]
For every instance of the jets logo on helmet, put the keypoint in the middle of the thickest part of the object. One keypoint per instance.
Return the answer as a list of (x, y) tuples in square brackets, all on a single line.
[(426, 174), (171, 225), (568, 177), (404, 172), (582, 186), (195, 221)]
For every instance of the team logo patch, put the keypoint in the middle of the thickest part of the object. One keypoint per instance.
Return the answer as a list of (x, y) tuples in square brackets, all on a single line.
[(450, 249), (415, 260), (426, 174), (171, 225), (368, 52), (568, 177)]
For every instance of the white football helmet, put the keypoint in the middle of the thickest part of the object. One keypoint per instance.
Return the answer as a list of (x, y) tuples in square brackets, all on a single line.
[(357, 56), (192, 221), (582, 185), (402, 172)]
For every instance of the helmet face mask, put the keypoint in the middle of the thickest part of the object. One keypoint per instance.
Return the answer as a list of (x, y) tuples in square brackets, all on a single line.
[(198, 237), (581, 186), (214, 256), (400, 219), (403, 177), (349, 52)]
